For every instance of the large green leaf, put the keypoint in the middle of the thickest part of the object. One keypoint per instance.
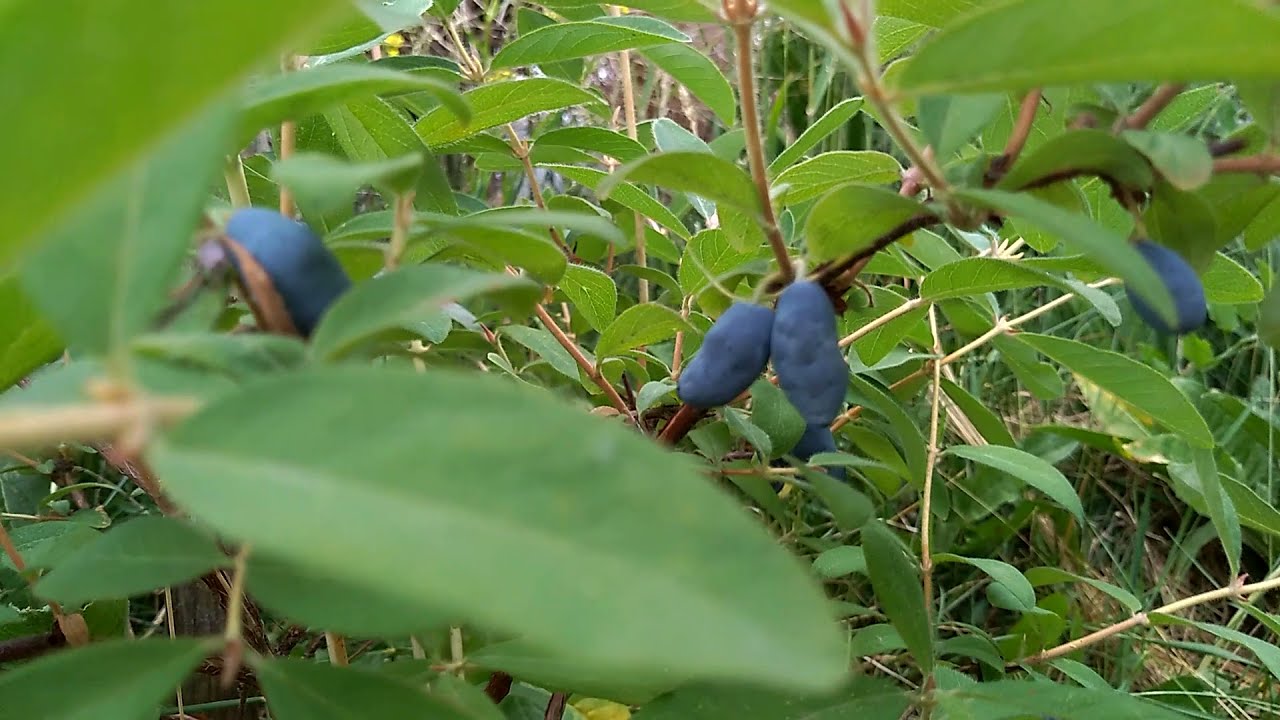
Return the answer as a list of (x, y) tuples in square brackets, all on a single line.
[(933, 13), (696, 172), (1009, 589), (1010, 699), (373, 130), (895, 577), (299, 689), (1026, 467), (403, 299), (1041, 43), (624, 194), (1137, 384), (813, 177), (707, 258), (640, 325), (131, 558), (567, 673), (27, 340), (697, 73), (569, 40), (1227, 282), (863, 697), (273, 465), (592, 292), (293, 96), (1076, 152), (499, 103), (854, 217), (104, 272), (127, 98), (832, 120), (114, 679)]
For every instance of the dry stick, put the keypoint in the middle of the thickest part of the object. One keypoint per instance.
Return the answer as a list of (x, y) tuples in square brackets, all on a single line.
[(403, 220), (751, 123), (288, 140), (173, 634), (931, 462), (591, 370), (1260, 164), (1001, 327), (555, 706), (72, 626), (521, 149), (629, 114), (234, 636), (1147, 111), (237, 185), (1017, 138), (1236, 590), (34, 428)]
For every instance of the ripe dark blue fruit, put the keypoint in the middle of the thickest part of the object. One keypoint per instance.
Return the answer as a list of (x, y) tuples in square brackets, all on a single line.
[(289, 275), (806, 352), (733, 354), (1183, 283), (817, 438)]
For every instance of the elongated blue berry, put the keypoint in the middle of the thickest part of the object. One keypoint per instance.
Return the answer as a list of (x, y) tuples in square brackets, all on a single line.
[(733, 354), (806, 352), (279, 261), (817, 438), (1183, 283)]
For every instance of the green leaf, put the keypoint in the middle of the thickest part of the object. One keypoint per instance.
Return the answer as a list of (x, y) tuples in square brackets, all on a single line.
[(596, 139), (295, 95), (131, 558), (325, 183), (499, 103), (832, 120), (318, 599), (301, 689), (895, 577), (544, 344), (132, 96), (640, 325), (818, 174), (1183, 160), (977, 275), (1221, 510), (124, 248), (1040, 576), (1226, 282), (697, 73), (933, 14), (848, 507), (1074, 152), (402, 299), (625, 194), (1018, 699), (1005, 576), (863, 697), (114, 679), (1026, 467), (1080, 234), (373, 130), (495, 246), (1266, 652), (773, 413), (840, 561), (589, 223), (1262, 99), (1137, 384), (708, 176), (1098, 41), (988, 423), (495, 497), (565, 672), (708, 257), (27, 340), (366, 21), (569, 40), (592, 292), (852, 218), (951, 121)]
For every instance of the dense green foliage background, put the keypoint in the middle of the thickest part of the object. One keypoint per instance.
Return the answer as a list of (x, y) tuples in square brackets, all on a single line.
[(476, 472)]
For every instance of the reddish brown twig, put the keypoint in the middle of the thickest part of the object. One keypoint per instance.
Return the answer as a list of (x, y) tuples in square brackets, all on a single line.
[(498, 687), (680, 424), (587, 366), (1017, 138), (1260, 164), (555, 706), (1147, 111)]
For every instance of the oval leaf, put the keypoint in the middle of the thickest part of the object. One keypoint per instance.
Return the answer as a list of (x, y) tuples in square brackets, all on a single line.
[(640, 325), (820, 173), (854, 218), (895, 577), (499, 103), (493, 496), (695, 172), (569, 40), (1026, 467)]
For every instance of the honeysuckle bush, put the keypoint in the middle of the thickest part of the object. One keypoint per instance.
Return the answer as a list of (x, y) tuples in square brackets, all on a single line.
[(473, 491)]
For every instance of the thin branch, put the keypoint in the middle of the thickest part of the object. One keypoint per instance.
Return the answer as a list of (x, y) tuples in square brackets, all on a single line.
[(237, 186), (587, 366), (403, 220), (1017, 138), (629, 116), (742, 14), (37, 428), (829, 273), (1235, 591), (521, 149), (498, 687), (555, 706), (884, 319), (1259, 164), (288, 141), (1148, 110), (931, 462)]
